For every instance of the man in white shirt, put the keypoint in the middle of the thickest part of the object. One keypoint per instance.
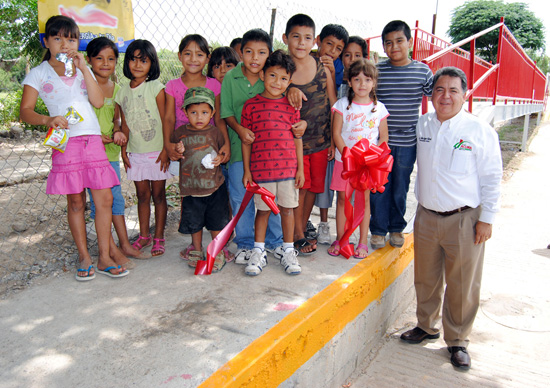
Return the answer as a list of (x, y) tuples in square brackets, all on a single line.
[(458, 191)]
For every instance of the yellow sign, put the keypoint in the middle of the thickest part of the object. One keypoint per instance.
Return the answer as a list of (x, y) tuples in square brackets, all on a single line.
[(111, 18)]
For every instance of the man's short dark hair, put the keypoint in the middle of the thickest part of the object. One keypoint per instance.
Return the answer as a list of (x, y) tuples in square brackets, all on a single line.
[(396, 25), (256, 35), (280, 59), (455, 72), (336, 30), (299, 20)]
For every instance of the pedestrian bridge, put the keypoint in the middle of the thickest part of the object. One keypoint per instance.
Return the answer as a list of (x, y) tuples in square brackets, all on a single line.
[(321, 342)]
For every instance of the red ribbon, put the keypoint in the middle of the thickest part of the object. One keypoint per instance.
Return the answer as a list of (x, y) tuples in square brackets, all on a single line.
[(366, 167), (216, 245)]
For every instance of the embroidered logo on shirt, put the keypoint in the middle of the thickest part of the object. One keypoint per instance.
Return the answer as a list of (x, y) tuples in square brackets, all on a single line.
[(463, 145), (425, 139)]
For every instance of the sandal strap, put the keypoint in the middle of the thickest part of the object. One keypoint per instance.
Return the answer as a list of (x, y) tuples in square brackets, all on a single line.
[(362, 246), (138, 245)]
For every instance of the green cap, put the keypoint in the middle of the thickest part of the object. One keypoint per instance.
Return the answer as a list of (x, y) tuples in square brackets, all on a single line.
[(197, 95)]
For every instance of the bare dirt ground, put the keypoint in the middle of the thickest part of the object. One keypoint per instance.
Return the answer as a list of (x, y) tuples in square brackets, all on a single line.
[(34, 236)]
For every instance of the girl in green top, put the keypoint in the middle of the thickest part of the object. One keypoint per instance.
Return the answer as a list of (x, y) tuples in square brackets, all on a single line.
[(102, 55)]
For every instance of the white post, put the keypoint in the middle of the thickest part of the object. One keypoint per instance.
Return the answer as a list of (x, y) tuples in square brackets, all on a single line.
[(525, 134), (538, 118)]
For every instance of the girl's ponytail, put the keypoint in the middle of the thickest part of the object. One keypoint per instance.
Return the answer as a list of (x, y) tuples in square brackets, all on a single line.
[(373, 97), (351, 95)]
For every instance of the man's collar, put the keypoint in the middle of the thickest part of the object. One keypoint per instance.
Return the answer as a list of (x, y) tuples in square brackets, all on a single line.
[(453, 120)]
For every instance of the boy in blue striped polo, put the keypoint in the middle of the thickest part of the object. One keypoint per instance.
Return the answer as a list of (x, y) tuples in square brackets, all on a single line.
[(401, 84)]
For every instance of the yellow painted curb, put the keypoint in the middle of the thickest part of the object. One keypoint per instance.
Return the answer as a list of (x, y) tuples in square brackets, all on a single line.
[(276, 355)]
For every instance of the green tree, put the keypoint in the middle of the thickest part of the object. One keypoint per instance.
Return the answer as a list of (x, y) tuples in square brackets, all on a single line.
[(543, 61), (19, 30), (279, 45), (475, 16)]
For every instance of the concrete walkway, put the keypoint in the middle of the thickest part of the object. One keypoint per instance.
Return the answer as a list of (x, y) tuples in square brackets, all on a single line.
[(511, 336), (162, 326), (159, 326)]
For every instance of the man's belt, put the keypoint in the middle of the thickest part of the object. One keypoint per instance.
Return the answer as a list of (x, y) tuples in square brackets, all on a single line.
[(451, 212)]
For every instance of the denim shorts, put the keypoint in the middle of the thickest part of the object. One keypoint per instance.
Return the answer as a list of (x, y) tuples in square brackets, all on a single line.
[(119, 204)]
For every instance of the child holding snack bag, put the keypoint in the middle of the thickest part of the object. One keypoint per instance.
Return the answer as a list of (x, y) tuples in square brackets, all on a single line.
[(67, 85)]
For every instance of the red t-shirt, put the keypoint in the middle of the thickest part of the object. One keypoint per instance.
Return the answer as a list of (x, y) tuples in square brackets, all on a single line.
[(273, 156)]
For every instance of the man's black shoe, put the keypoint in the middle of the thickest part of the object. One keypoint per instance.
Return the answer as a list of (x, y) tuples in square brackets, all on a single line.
[(460, 357), (417, 335)]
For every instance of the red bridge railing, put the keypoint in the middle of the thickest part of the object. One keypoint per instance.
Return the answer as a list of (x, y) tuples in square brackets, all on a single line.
[(514, 78)]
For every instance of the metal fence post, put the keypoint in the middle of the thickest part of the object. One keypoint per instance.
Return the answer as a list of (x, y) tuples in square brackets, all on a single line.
[(272, 26)]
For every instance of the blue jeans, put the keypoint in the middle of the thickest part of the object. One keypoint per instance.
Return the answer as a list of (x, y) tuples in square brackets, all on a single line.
[(245, 227), (388, 208), (119, 204)]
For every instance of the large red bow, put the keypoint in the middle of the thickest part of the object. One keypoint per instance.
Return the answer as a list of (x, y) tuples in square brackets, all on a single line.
[(366, 167), (216, 245)]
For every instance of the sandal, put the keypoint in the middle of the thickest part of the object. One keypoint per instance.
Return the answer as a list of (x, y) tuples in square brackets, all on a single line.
[(139, 243), (158, 247), (194, 256), (361, 246), (335, 248), (219, 262), (228, 255), (87, 277), (107, 271), (303, 243), (185, 253)]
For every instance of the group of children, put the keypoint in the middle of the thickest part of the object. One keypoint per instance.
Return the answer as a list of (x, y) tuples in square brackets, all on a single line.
[(257, 116)]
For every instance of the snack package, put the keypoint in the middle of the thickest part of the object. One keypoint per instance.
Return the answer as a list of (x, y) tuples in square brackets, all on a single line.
[(57, 138), (207, 160), (72, 116), (63, 58)]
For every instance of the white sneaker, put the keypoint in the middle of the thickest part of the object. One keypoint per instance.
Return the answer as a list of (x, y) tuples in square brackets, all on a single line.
[(311, 233), (290, 262), (277, 252), (257, 261), (324, 233), (242, 256)]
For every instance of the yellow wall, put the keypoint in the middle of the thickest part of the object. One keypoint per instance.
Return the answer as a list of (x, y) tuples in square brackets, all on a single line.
[(276, 355)]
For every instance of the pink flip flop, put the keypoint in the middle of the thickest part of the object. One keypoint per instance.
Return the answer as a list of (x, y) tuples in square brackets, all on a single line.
[(336, 246), (361, 246)]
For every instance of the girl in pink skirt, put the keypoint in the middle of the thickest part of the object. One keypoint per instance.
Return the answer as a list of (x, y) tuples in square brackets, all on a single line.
[(64, 86), (141, 105)]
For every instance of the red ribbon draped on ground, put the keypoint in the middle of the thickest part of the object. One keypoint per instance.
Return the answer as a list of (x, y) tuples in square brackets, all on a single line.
[(366, 167), (216, 245)]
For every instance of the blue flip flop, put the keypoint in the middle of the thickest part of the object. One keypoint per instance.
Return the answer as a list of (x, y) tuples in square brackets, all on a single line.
[(86, 278), (106, 272)]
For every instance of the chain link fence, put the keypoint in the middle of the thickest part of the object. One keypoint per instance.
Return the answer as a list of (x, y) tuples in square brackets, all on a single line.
[(34, 235)]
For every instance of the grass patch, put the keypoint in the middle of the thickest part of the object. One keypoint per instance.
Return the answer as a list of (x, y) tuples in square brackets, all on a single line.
[(512, 131)]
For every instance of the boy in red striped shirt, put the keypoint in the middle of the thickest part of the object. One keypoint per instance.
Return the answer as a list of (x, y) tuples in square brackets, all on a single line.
[(274, 160)]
